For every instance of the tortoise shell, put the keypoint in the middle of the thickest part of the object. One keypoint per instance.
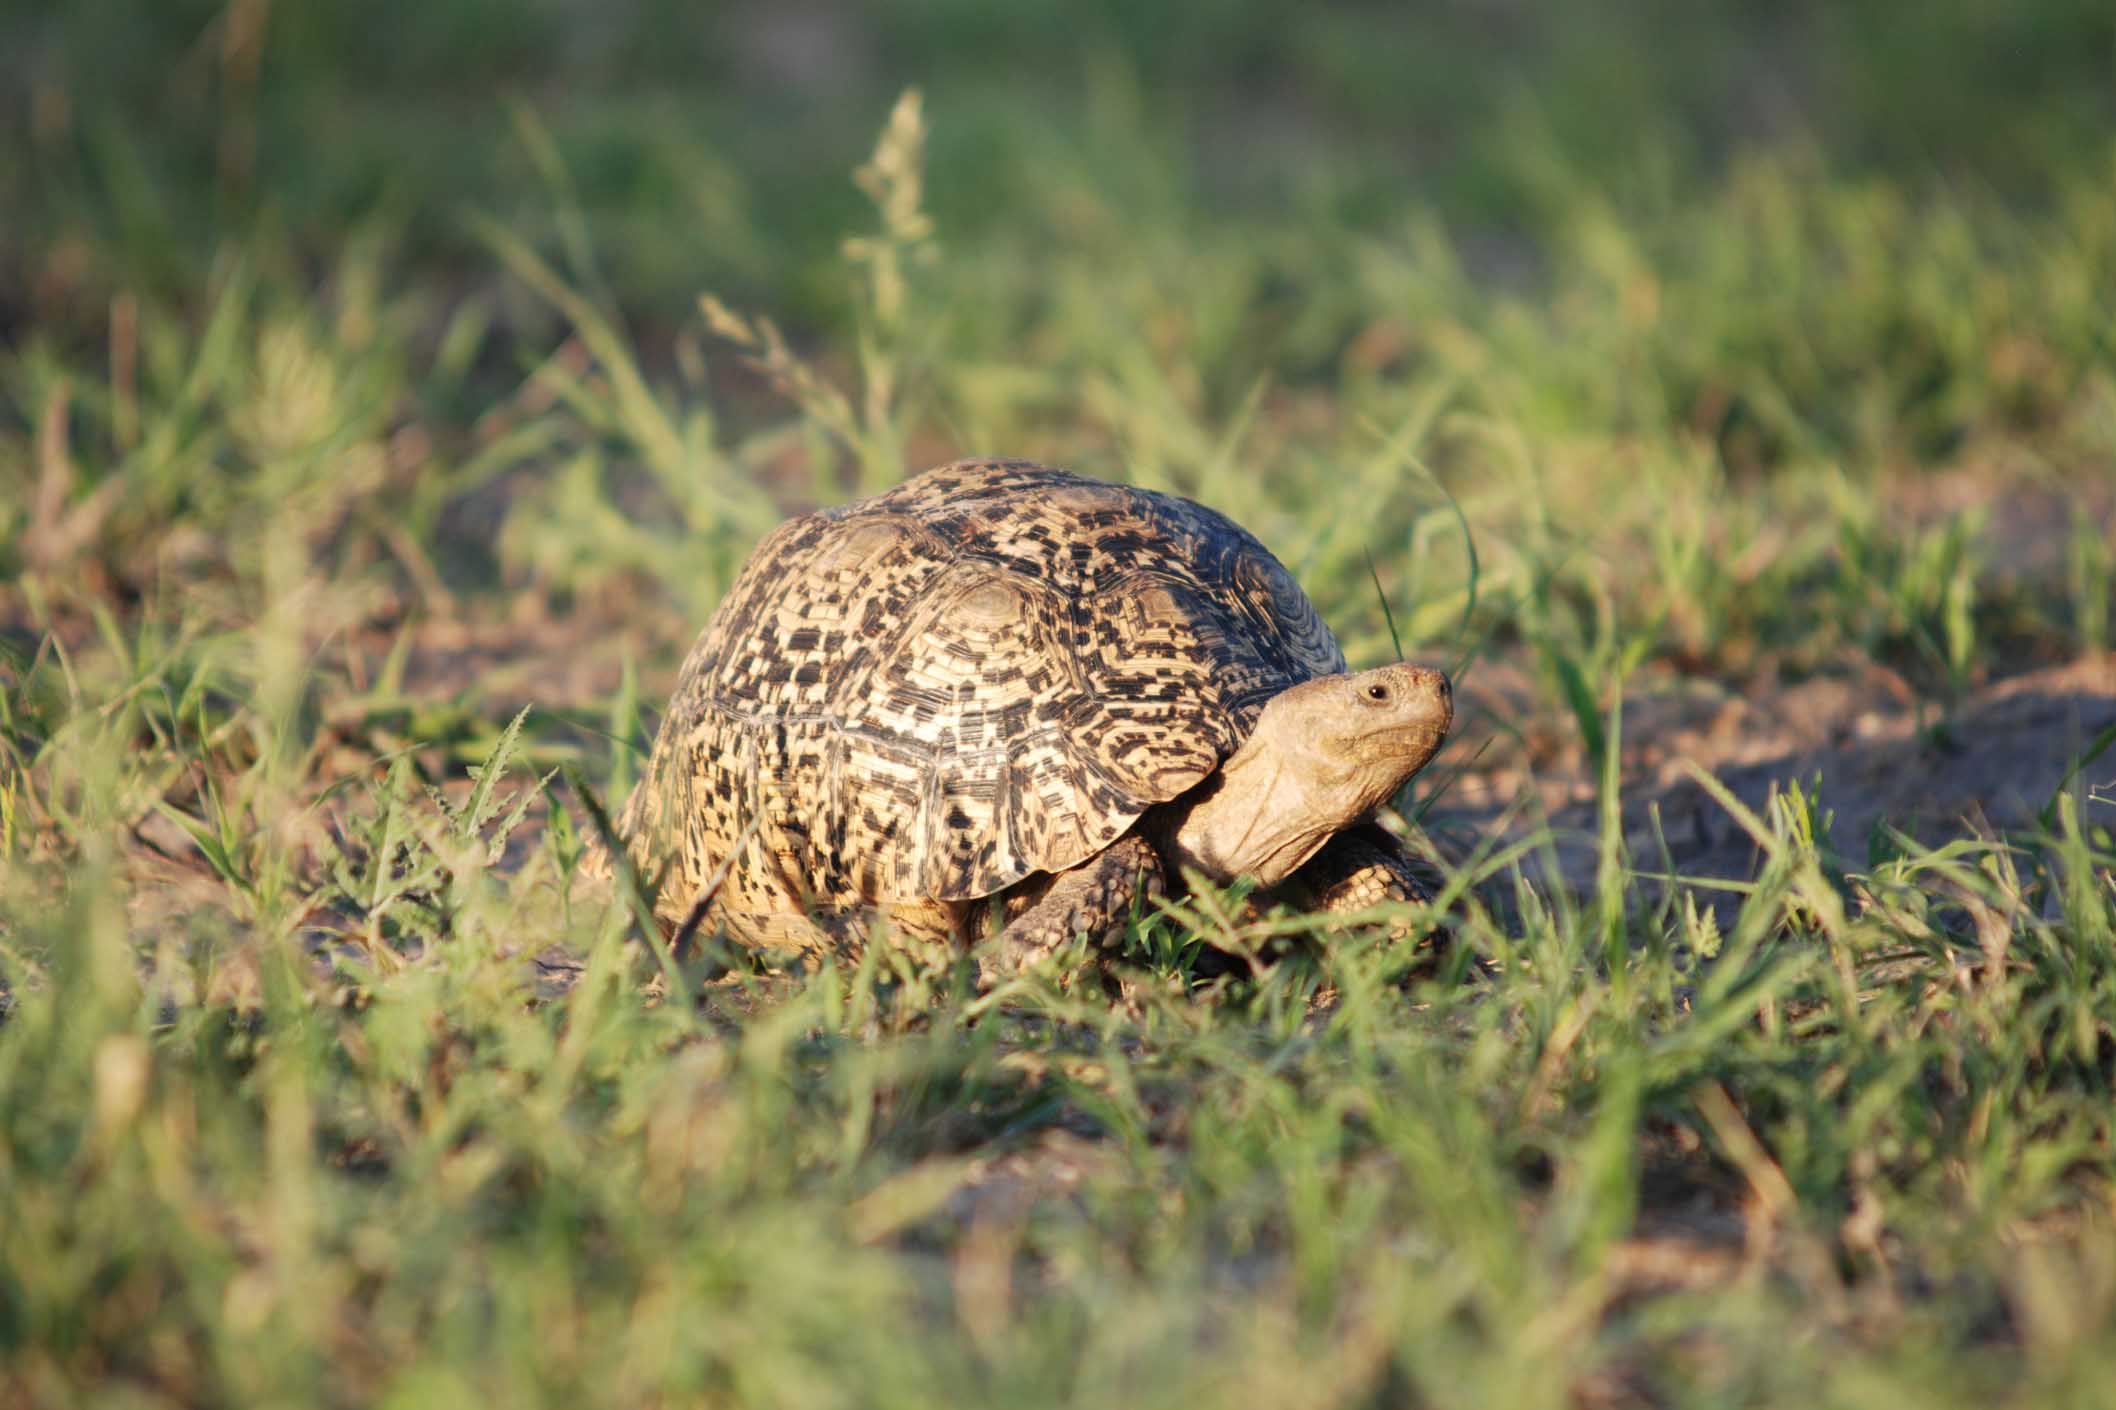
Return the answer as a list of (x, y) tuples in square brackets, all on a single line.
[(987, 672)]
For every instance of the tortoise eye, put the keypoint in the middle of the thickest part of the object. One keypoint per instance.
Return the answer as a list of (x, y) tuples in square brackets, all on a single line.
[(1378, 693)]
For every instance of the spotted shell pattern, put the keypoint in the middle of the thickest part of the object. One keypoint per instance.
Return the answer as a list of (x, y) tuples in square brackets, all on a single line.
[(987, 672)]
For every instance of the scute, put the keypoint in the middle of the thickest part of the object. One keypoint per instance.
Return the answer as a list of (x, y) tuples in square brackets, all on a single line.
[(986, 672)]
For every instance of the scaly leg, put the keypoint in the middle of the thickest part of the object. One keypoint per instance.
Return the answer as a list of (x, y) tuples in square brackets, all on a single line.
[(1093, 897), (1360, 868)]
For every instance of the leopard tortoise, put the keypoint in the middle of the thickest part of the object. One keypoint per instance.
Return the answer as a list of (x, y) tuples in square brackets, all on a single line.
[(1004, 695)]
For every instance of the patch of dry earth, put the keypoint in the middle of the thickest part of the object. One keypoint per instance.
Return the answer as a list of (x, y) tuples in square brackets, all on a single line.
[(1883, 758)]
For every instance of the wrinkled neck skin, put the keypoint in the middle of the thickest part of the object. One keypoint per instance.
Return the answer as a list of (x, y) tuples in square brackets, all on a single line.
[(1260, 817)]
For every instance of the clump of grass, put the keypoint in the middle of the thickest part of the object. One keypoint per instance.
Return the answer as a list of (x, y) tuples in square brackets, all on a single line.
[(366, 1151)]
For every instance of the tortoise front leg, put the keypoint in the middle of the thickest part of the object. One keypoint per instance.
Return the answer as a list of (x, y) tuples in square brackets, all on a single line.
[(1362, 867), (1094, 898)]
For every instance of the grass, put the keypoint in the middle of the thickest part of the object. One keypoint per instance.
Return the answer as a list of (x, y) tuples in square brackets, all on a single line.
[(311, 482)]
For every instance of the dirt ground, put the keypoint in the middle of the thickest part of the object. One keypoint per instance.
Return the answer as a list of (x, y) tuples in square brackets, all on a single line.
[(1990, 765)]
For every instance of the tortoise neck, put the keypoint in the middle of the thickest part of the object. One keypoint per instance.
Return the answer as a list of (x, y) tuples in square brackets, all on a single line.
[(1258, 816)]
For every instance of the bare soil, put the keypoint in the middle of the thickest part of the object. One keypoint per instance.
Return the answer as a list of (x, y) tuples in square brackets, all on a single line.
[(1883, 758)]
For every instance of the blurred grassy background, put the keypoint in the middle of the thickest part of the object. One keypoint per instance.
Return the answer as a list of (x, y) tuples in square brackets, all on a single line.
[(707, 145), (1650, 240)]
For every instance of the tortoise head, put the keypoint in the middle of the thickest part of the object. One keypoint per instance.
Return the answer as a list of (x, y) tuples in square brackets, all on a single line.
[(1324, 754)]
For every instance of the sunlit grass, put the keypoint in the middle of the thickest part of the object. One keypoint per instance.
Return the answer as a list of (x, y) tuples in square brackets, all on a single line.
[(321, 1082)]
